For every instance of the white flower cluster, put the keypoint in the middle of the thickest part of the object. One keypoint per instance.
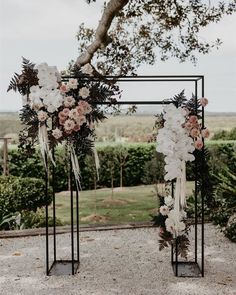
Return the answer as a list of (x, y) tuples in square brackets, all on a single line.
[(46, 93), (174, 223), (174, 142)]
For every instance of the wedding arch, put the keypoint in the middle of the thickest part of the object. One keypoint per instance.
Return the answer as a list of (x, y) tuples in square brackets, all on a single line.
[(189, 268)]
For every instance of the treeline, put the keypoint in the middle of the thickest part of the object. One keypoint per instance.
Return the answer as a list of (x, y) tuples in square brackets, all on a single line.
[(120, 165)]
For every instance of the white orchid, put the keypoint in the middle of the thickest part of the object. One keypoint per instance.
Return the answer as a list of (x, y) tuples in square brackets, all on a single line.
[(53, 100), (169, 201), (174, 141), (173, 224)]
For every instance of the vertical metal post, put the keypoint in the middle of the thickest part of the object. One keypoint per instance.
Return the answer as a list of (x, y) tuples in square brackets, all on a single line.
[(176, 256), (54, 208), (72, 220), (77, 224), (202, 194), (196, 189), (46, 213)]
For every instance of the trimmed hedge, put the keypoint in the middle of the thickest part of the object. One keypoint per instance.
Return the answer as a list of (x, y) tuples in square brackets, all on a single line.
[(139, 160), (18, 194)]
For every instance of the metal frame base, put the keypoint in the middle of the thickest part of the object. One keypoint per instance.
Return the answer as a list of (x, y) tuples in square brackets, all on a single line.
[(189, 269), (63, 267)]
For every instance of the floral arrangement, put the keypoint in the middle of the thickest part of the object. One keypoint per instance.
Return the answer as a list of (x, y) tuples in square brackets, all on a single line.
[(179, 136), (56, 111)]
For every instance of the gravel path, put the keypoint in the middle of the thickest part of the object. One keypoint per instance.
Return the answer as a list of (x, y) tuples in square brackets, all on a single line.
[(125, 262)]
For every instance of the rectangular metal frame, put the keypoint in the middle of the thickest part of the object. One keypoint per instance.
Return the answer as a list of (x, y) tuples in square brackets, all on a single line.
[(180, 268)]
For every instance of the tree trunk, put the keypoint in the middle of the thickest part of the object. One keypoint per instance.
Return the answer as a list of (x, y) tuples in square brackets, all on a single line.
[(121, 176), (112, 187)]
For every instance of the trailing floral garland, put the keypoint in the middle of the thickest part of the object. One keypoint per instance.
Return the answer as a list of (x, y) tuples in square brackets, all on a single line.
[(179, 136), (56, 112)]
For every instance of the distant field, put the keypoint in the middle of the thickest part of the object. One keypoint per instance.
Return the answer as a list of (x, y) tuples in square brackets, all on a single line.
[(132, 128), (140, 128)]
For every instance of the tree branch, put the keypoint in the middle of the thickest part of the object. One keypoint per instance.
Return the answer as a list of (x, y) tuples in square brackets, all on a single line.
[(101, 37)]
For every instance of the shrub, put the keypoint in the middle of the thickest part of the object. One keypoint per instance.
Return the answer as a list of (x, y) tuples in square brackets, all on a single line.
[(18, 194), (230, 232), (30, 219), (225, 135)]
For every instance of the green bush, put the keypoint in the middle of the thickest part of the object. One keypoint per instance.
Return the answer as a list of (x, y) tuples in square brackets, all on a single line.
[(18, 194), (225, 135), (30, 219), (230, 232)]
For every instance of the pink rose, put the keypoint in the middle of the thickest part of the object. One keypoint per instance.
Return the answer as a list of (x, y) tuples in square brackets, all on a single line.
[(203, 101), (76, 128), (82, 120), (198, 144), (80, 110), (62, 116), (69, 125), (188, 125), (87, 109), (69, 131), (69, 101), (73, 114), (66, 111), (64, 88), (193, 119), (57, 133), (42, 116), (205, 133), (62, 121), (194, 132)]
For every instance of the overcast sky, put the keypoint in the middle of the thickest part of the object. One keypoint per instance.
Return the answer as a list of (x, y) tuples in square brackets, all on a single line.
[(45, 31)]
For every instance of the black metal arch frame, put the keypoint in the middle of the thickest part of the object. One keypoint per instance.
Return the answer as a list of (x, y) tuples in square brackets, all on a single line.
[(181, 268)]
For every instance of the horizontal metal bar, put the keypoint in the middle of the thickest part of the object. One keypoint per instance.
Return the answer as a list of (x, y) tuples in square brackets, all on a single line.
[(160, 102), (135, 80), (143, 77)]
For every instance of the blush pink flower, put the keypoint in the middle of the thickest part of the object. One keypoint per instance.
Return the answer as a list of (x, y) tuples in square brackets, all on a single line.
[(57, 133), (84, 92), (73, 114), (193, 119), (69, 125), (185, 111), (188, 125), (66, 111), (81, 120), (87, 109), (194, 132), (68, 131), (198, 144), (80, 110), (205, 133), (62, 121), (82, 103), (203, 101), (64, 88), (42, 116), (69, 101), (76, 128), (72, 83), (62, 116)]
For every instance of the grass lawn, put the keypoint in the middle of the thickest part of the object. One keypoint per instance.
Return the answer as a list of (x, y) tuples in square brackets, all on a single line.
[(129, 204)]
